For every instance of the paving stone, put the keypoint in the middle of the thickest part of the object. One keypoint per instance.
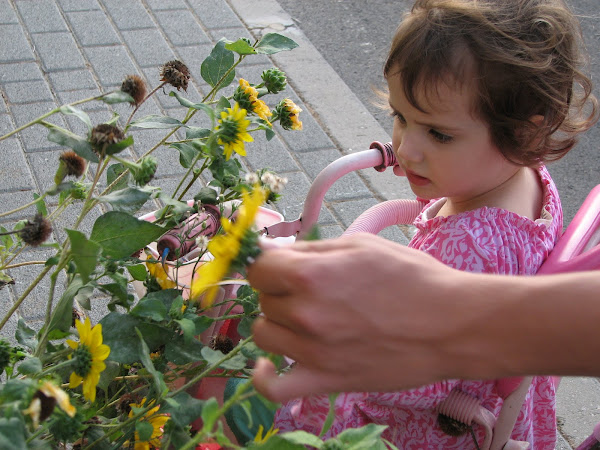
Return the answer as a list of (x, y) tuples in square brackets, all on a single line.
[(181, 27), (128, 15), (15, 199), (269, 155), (14, 171), (215, 14), (41, 16), (58, 51), (44, 165), (158, 5), (35, 137), (78, 5), (19, 49), (350, 186), (93, 28), (112, 64), (21, 71), (6, 124), (68, 80), (28, 91), (2, 106), (578, 407), (148, 46), (66, 97), (7, 13)]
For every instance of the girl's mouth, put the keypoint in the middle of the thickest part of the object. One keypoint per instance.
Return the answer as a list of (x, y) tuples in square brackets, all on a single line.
[(415, 179)]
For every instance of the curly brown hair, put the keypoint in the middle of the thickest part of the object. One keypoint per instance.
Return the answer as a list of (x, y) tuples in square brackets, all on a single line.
[(521, 59)]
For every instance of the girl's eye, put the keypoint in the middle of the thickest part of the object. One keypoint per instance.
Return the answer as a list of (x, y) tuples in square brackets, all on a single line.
[(440, 137), (397, 115)]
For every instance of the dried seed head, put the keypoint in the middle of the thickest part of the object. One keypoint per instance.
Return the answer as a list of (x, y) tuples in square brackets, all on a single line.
[(176, 74), (36, 231), (74, 164), (105, 134), (134, 86), (221, 342)]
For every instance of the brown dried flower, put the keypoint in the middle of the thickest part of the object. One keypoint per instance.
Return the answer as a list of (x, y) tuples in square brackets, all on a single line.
[(134, 86), (74, 164), (103, 135), (221, 342), (36, 231), (176, 74)]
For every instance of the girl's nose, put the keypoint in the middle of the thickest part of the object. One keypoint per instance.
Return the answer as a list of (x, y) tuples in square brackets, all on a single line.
[(408, 149)]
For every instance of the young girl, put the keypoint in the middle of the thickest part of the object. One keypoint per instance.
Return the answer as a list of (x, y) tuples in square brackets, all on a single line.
[(483, 93)]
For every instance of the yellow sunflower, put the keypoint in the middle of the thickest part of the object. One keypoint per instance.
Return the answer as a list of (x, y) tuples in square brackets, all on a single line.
[(287, 112), (248, 96), (89, 356), (226, 247), (156, 420), (232, 129), (157, 271), (40, 407)]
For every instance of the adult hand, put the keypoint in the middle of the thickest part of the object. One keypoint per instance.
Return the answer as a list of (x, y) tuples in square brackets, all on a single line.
[(354, 314)]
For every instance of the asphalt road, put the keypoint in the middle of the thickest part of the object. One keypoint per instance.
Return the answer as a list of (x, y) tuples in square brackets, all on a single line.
[(354, 36)]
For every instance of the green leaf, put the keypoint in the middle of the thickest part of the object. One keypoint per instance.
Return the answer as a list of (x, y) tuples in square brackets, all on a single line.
[(245, 326), (189, 104), (187, 153), (81, 115), (113, 149), (25, 335), (176, 206), (128, 200), (118, 331), (151, 308), (275, 43), (154, 121), (330, 414), (180, 352), (30, 366), (12, 434), (365, 437), (223, 104), (217, 64), (144, 430), (113, 172), (144, 355), (183, 408), (84, 252), (291, 441), (188, 327), (137, 271), (67, 139), (120, 234), (238, 362), (210, 413), (40, 205), (108, 375), (117, 97), (241, 47), (197, 133), (62, 315), (269, 133)]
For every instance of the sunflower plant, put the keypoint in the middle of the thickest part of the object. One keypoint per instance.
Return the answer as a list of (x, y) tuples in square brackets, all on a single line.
[(169, 361)]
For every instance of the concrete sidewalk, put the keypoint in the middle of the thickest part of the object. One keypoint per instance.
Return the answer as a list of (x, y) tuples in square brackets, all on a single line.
[(56, 51)]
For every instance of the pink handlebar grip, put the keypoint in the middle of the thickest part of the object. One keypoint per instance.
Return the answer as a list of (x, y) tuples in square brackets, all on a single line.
[(182, 239)]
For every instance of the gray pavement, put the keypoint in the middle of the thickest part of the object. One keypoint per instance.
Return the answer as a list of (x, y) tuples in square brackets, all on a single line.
[(57, 51)]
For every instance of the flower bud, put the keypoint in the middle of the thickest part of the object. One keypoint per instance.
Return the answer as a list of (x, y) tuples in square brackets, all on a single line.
[(69, 164), (274, 79), (36, 231), (287, 113), (104, 135), (146, 170), (134, 86)]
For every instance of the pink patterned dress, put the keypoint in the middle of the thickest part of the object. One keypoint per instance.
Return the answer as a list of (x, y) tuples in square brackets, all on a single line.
[(489, 240)]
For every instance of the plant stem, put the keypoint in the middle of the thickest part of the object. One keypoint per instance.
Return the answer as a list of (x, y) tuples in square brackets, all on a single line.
[(20, 208), (142, 102), (24, 295), (26, 263)]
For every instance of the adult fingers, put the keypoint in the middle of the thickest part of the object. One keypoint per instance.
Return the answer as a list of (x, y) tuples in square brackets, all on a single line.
[(299, 382)]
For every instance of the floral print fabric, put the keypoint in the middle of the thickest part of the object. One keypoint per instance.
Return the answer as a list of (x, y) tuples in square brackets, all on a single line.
[(486, 240)]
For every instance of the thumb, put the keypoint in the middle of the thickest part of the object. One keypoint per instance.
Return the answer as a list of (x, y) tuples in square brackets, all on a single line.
[(299, 382)]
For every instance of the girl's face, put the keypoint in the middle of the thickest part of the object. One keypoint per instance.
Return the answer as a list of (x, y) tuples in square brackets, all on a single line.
[(446, 152)]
